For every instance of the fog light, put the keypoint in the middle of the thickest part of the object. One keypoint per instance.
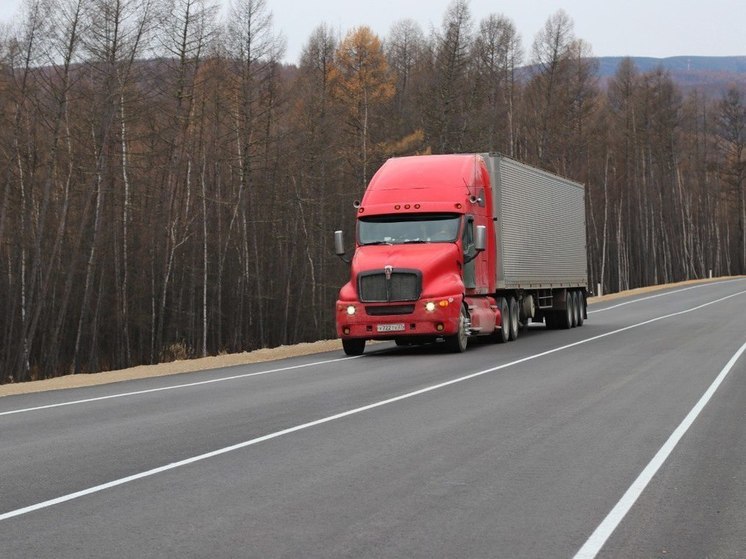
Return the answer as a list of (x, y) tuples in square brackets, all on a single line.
[(429, 306), (346, 331), (351, 310), (439, 326)]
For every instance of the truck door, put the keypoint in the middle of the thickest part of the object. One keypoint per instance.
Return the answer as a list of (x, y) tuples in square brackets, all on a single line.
[(470, 279)]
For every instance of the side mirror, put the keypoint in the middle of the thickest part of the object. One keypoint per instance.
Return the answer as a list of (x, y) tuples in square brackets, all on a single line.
[(339, 243), (480, 243), (339, 246), (480, 238)]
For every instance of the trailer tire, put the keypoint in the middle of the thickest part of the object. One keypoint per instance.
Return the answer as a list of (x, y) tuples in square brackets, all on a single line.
[(514, 314), (457, 343), (574, 301), (353, 346), (580, 300), (502, 334)]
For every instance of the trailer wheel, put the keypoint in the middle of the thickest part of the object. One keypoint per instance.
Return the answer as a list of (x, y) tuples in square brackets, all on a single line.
[(353, 346), (458, 342), (574, 300), (502, 334), (514, 311), (578, 308)]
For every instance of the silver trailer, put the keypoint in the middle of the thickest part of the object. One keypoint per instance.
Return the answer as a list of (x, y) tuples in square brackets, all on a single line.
[(539, 227)]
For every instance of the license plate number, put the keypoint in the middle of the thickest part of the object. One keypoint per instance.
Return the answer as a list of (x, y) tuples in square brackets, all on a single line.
[(398, 327)]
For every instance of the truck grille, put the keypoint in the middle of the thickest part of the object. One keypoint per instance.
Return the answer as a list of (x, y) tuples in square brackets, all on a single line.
[(373, 287), (389, 310)]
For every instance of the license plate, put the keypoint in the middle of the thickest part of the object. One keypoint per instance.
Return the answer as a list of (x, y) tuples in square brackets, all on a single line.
[(398, 327)]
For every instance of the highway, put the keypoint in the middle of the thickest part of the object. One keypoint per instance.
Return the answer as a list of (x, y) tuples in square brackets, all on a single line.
[(623, 438)]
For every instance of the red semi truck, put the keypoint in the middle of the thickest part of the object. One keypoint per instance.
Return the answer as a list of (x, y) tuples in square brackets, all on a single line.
[(454, 246)]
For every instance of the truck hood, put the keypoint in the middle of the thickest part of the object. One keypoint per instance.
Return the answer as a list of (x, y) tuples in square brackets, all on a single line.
[(439, 263)]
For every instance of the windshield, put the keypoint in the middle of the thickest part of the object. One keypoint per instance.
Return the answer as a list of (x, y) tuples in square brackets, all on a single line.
[(408, 228)]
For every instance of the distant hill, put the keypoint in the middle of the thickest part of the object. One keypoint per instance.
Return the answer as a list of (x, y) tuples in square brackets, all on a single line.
[(709, 74)]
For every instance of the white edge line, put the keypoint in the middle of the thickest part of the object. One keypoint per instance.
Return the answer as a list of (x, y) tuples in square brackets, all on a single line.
[(662, 295), (601, 534), (175, 386), (251, 442)]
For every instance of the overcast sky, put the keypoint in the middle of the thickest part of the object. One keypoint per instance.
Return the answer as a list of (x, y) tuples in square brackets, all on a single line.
[(657, 28)]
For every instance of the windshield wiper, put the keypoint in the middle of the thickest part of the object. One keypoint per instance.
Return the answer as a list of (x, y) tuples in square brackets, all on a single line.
[(376, 243), (414, 241)]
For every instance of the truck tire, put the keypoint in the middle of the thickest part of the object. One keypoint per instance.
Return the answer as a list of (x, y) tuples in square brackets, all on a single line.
[(502, 334), (353, 346), (458, 342), (514, 315)]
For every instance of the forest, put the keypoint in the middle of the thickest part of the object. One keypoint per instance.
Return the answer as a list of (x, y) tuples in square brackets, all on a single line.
[(169, 188)]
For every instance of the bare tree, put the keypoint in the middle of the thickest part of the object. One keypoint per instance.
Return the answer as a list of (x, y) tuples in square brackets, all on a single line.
[(452, 93), (404, 48), (256, 49), (116, 31), (731, 121), (498, 53), (547, 90)]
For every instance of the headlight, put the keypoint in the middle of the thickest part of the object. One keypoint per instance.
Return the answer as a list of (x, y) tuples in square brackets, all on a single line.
[(351, 310), (430, 306)]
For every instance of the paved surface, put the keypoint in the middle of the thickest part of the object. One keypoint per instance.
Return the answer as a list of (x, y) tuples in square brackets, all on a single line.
[(517, 450)]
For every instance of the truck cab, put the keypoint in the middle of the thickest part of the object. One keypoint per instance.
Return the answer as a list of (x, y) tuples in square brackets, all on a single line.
[(422, 249)]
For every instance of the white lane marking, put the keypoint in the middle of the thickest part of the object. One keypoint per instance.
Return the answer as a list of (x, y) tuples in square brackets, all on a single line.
[(663, 295), (176, 386), (593, 546), (251, 442)]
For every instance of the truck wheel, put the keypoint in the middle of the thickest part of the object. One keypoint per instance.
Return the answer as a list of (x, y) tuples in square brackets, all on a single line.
[(502, 334), (580, 302), (513, 330), (353, 346), (458, 342)]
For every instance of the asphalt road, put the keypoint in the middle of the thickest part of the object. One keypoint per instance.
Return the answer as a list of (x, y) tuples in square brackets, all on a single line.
[(623, 438)]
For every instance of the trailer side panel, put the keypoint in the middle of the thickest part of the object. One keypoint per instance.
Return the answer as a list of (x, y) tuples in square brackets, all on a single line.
[(539, 228)]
